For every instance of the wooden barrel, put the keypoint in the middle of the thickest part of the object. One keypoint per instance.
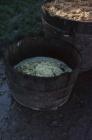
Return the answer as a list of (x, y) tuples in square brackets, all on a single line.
[(41, 93), (77, 32)]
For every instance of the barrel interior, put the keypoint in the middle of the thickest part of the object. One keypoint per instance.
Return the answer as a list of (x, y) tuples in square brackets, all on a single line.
[(26, 48)]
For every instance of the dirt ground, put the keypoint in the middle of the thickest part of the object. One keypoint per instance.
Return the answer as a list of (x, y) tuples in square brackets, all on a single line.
[(19, 18), (73, 121)]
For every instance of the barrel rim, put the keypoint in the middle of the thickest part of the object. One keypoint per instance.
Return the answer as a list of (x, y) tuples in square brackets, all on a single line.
[(79, 21), (68, 74), (67, 22)]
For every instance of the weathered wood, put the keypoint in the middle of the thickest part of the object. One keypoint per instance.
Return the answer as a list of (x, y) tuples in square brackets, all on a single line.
[(42, 92)]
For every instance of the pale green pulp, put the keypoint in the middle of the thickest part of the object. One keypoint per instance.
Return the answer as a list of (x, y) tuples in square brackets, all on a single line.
[(42, 67)]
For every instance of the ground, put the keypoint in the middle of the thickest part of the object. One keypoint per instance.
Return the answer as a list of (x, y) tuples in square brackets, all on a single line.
[(18, 18), (73, 121)]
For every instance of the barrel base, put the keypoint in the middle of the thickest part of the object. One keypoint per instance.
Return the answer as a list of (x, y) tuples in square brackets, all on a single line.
[(59, 103)]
